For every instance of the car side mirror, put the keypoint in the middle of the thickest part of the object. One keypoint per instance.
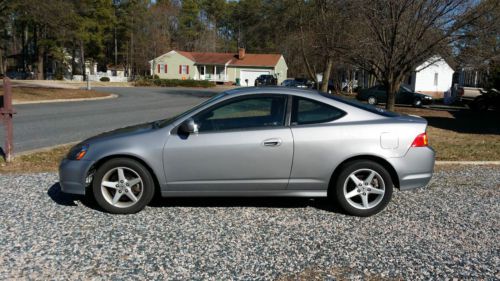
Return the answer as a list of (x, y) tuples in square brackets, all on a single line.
[(189, 127)]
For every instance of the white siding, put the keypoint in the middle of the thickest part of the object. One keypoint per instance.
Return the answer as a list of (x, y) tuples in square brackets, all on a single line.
[(426, 74)]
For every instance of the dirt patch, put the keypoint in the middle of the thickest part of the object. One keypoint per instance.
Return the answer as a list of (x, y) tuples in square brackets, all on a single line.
[(32, 94)]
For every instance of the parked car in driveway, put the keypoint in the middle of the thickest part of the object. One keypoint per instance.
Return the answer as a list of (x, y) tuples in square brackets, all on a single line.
[(489, 99), (266, 80), (261, 141), (293, 83), (378, 94)]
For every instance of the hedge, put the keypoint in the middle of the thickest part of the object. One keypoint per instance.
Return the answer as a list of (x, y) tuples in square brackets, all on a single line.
[(104, 79), (174, 83)]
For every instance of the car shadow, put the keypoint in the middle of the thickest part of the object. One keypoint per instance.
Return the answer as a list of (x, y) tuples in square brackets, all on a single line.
[(467, 121), (258, 202), (70, 200), (55, 193)]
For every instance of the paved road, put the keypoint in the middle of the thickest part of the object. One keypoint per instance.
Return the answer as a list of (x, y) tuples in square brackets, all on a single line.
[(48, 124)]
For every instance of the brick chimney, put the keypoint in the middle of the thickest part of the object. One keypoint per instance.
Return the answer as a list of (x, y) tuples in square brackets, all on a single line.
[(241, 53)]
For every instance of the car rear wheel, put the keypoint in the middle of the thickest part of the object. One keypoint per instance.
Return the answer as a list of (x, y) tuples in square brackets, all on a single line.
[(123, 186), (363, 188), (372, 100)]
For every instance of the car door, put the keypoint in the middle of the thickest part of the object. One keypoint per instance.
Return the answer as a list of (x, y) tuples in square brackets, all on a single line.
[(381, 93), (242, 144), (404, 96), (312, 139)]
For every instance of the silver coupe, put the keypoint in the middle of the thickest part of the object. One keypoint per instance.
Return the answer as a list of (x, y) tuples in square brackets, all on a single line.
[(272, 141)]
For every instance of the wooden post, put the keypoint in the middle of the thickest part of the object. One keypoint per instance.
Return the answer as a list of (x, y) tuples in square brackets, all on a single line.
[(7, 112)]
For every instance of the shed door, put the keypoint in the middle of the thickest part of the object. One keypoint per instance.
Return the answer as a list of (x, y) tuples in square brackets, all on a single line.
[(251, 75)]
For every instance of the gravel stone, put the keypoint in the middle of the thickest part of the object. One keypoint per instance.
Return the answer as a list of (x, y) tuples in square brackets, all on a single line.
[(447, 230)]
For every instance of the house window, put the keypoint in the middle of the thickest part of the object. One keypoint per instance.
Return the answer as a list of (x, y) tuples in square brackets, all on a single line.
[(436, 75), (183, 69)]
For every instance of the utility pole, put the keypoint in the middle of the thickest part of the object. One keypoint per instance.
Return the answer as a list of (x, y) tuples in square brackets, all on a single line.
[(7, 112)]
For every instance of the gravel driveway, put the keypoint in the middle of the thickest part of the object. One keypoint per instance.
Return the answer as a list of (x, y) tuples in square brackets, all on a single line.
[(449, 229)]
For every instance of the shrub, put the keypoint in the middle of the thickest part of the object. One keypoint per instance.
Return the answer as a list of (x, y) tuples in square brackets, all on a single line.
[(174, 83), (104, 79)]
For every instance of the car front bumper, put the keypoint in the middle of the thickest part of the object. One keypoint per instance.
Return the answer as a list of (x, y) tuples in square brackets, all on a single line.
[(415, 169), (72, 174)]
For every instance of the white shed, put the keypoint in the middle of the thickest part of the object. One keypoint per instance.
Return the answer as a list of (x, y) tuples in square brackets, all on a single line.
[(433, 77)]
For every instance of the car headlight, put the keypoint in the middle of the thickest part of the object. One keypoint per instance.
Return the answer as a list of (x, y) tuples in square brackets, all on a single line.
[(78, 152)]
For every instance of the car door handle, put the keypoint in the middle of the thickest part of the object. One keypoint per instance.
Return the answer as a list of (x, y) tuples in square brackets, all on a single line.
[(272, 142)]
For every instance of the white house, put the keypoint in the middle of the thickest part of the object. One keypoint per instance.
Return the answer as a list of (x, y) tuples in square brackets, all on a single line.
[(433, 77)]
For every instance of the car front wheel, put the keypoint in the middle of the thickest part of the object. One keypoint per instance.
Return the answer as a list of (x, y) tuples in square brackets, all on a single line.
[(123, 186), (417, 102), (363, 188)]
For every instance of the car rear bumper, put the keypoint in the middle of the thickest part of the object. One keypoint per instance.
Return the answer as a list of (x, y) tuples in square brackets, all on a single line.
[(72, 175), (415, 169)]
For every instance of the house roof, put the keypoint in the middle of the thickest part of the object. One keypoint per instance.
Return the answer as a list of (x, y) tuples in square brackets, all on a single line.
[(266, 60), (118, 67)]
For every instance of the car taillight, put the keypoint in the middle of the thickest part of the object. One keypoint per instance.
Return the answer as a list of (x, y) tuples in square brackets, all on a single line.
[(420, 141), (461, 92)]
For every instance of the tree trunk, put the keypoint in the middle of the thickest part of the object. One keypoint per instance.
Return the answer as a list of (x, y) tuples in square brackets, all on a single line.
[(392, 90), (326, 74), (73, 62), (82, 60), (2, 69), (40, 63)]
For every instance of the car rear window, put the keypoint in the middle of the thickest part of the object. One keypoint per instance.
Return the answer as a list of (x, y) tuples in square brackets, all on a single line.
[(307, 111), (364, 106)]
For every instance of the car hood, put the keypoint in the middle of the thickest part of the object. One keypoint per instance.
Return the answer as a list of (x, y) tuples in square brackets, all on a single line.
[(123, 132)]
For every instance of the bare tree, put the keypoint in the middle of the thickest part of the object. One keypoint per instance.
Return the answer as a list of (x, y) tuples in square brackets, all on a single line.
[(322, 26), (395, 36)]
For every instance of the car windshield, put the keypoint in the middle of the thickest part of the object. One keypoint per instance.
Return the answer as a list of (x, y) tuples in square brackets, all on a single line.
[(168, 121), (364, 106), (405, 88)]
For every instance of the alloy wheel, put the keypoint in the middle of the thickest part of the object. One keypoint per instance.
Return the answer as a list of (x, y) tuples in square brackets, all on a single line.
[(364, 189), (372, 100), (122, 187)]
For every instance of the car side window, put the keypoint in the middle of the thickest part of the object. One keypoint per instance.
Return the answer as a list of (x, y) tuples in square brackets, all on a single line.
[(306, 111), (246, 113)]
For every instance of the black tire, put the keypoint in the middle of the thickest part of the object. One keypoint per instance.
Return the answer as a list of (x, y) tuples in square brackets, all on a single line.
[(372, 100), (417, 102), (479, 104), (363, 166), (147, 185)]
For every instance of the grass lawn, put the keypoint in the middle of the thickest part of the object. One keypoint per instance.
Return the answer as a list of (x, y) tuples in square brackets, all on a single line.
[(41, 161), (33, 94)]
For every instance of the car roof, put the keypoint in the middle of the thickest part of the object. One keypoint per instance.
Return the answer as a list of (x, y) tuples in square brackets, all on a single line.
[(272, 90)]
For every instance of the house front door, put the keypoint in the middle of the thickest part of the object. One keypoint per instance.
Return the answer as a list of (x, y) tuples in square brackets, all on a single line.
[(201, 70)]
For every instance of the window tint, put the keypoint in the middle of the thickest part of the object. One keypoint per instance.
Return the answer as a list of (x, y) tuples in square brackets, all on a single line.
[(306, 111), (245, 113), (360, 105)]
